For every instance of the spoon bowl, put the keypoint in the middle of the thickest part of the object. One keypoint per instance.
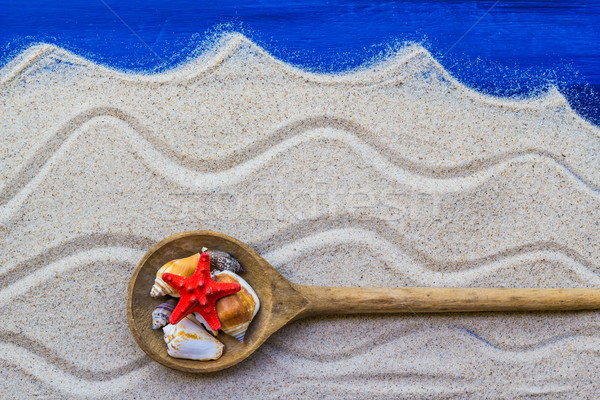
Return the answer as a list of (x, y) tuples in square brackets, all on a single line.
[(282, 301), (268, 284)]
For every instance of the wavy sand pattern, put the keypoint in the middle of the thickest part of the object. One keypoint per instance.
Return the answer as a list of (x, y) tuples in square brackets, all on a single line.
[(395, 174)]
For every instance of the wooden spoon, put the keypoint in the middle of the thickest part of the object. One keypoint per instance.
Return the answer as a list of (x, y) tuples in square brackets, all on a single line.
[(283, 302)]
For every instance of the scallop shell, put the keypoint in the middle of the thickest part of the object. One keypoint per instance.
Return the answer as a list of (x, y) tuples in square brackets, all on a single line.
[(223, 261), (190, 341), (182, 266), (236, 311), (160, 316)]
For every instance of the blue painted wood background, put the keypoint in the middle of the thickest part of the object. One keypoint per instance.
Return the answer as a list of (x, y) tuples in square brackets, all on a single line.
[(517, 48)]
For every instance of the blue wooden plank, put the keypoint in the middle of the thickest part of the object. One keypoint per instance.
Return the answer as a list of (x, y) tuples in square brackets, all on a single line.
[(516, 48)]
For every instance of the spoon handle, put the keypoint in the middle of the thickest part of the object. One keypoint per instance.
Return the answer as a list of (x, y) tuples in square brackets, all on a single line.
[(354, 300)]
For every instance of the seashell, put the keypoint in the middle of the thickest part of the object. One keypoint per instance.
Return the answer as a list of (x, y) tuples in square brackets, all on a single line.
[(237, 310), (188, 340), (182, 266), (160, 316), (223, 261), (199, 319)]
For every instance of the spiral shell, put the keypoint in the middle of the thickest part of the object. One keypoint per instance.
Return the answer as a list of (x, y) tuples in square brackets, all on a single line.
[(182, 266), (188, 340), (236, 311), (160, 316)]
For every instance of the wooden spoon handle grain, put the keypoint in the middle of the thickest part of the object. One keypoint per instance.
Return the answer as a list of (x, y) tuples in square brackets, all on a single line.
[(349, 300)]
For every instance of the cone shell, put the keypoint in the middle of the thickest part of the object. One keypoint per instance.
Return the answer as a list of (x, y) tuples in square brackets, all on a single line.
[(182, 266), (160, 316), (190, 341), (237, 310)]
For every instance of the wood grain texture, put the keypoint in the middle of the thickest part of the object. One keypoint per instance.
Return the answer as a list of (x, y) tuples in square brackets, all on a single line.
[(333, 300), (282, 301)]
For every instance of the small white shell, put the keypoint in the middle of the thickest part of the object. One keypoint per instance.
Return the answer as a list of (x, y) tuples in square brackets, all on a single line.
[(190, 341), (199, 319), (160, 316)]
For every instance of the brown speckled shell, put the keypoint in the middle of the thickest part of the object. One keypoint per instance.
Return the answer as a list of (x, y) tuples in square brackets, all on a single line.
[(224, 261)]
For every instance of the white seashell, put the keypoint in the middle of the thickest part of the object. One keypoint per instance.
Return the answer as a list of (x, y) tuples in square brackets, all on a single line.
[(237, 310), (190, 341), (160, 316), (199, 319), (182, 266)]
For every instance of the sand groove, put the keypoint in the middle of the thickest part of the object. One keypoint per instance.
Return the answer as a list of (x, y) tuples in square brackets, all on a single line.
[(64, 381), (52, 270), (62, 376), (405, 264), (297, 234), (532, 352), (281, 140), (423, 178), (349, 237), (38, 349), (53, 254), (407, 269)]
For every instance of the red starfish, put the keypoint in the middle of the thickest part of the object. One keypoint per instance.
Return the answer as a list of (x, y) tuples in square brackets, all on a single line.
[(199, 293)]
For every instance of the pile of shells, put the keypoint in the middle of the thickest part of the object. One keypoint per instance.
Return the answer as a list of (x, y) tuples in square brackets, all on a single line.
[(192, 338)]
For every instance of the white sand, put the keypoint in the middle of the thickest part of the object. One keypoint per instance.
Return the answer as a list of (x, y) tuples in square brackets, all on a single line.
[(396, 175)]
